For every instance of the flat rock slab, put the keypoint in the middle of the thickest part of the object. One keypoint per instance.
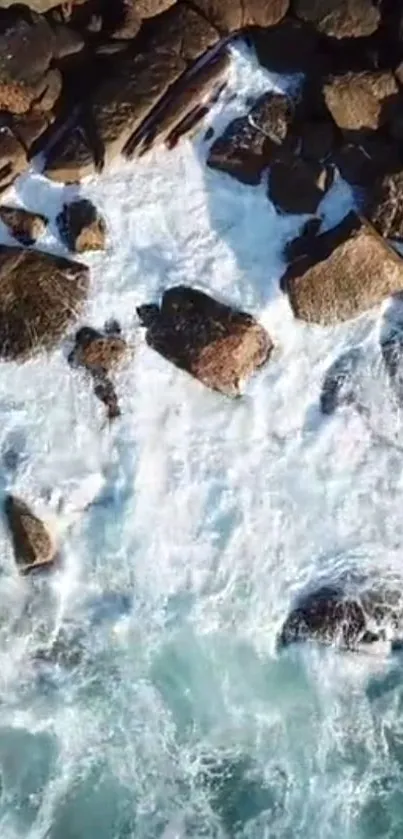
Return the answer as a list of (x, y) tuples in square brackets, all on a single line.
[(81, 227), (340, 18), (33, 544), (362, 101), (41, 295), (218, 345), (23, 225), (344, 272)]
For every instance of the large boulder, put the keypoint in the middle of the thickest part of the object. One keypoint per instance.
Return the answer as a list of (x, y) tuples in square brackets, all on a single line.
[(296, 185), (33, 544), (344, 272), (242, 151), (385, 206), (233, 15), (41, 295), (215, 343), (362, 101), (26, 78), (340, 18)]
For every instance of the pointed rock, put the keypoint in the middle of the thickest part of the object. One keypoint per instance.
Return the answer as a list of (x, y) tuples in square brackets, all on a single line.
[(81, 227), (33, 545)]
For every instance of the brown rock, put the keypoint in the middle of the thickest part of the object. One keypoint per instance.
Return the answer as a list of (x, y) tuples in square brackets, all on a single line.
[(233, 15), (385, 207), (345, 272), (273, 115), (151, 8), (71, 159), (129, 23), (41, 295), (361, 101), (340, 18), (81, 227), (362, 163), (25, 57), (28, 128), (13, 158), (215, 343), (25, 226), (33, 544), (242, 151), (297, 186), (98, 352), (52, 88), (41, 6)]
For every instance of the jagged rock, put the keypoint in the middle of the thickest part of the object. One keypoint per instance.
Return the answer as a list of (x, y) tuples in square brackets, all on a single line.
[(81, 227), (349, 620), (13, 158), (71, 159), (33, 544), (289, 47), (362, 101), (100, 353), (361, 164), (233, 15), (25, 226), (40, 297), (340, 18), (242, 151), (122, 103), (26, 52), (215, 343), (385, 208), (345, 271), (273, 115), (296, 185)]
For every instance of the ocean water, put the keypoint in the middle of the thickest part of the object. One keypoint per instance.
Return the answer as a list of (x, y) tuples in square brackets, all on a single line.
[(187, 529)]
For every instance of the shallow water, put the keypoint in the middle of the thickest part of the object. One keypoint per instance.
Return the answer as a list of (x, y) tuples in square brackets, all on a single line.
[(187, 530)]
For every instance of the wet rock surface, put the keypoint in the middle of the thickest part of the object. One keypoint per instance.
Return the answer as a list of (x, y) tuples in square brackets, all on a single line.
[(81, 227), (385, 208), (32, 542), (340, 18), (215, 343), (40, 297), (298, 186), (100, 354), (23, 225), (344, 272)]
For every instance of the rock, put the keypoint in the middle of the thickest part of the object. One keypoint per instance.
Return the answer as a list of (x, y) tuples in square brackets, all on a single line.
[(340, 18), (33, 545), (25, 226), (318, 139), (81, 227), (392, 354), (340, 383), (361, 101), (105, 392), (215, 343), (40, 297), (13, 158), (385, 207), (299, 247), (29, 128), (233, 15), (52, 88), (297, 186), (331, 615), (99, 353), (289, 47), (41, 6), (26, 52), (242, 151), (273, 115), (345, 271), (151, 8), (130, 22), (364, 162), (71, 159)]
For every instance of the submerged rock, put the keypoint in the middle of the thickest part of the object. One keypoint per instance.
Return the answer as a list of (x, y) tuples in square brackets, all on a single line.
[(33, 544), (344, 272), (100, 353), (25, 226), (215, 343), (40, 297), (81, 227)]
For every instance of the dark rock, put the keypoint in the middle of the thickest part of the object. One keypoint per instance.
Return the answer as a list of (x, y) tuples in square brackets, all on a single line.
[(33, 545), (345, 271), (97, 352), (340, 383), (297, 186), (25, 226), (41, 296), (385, 207), (273, 115), (242, 151), (41, 6), (340, 18), (290, 47), (130, 23), (318, 139), (362, 101), (13, 159), (392, 354), (363, 163), (28, 128), (215, 343), (80, 226), (105, 392), (299, 247), (26, 52), (71, 159), (350, 621)]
